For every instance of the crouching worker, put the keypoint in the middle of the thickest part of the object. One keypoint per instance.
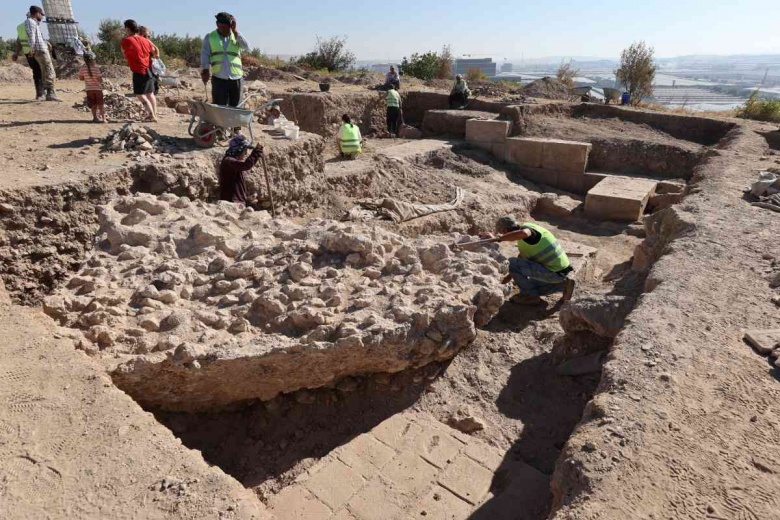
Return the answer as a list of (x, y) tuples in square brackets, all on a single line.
[(541, 267), (349, 138), (232, 170)]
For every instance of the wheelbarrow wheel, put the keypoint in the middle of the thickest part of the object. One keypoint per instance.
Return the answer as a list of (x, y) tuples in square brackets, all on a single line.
[(204, 135)]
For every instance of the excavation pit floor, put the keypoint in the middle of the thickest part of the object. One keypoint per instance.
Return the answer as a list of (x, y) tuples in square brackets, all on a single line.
[(635, 440)]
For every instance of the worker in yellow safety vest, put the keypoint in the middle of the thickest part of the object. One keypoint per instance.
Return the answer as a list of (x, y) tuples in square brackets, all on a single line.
[(220, 61), (541, 267), (23, 49), (393, 101), (349, 138)]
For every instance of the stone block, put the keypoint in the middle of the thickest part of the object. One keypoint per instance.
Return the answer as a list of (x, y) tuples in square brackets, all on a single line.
[(451, 122), (540, 176), (619, 198), (397, 432), (556, 205), (485, 454), (524, 151), (366, 455), (764, 341), (437, 447), (593, 178), (568, 156), (498, 150), (409, 473), (573, 182), (482, 131), (441, 504), (335, 484), (377, 501), (296, 502), (467, 479)]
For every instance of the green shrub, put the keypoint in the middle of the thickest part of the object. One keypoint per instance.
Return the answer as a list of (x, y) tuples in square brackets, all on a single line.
[(760, 109), (330, 54), (476, 75)]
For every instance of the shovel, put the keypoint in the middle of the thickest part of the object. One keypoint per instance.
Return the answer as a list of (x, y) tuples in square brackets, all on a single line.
[(268, 187)]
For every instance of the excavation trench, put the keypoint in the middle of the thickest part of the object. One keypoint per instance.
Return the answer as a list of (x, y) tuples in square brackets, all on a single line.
[(336, 363)]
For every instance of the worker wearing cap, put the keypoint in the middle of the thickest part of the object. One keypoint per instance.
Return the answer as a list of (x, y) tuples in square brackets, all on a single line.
[(541, 267), (40, 49), (220, 61), (23, 49)]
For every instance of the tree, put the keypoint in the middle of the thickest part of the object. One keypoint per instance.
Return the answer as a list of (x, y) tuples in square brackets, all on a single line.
[(110, 33), (330, 54), (637, 70), (566, 73), (474, 75), (445, 63), (422, 66), (6, 48)]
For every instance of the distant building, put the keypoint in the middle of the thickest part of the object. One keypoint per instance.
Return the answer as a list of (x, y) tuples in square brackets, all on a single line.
[(507, 67), (485, 65)]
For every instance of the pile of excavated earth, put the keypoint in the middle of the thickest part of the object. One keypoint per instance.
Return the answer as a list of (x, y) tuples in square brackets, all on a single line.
[(196, 307)]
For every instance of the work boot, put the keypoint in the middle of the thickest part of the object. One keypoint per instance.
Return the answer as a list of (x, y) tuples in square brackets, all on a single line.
[(568, 289), (51, 95), (39, 93)]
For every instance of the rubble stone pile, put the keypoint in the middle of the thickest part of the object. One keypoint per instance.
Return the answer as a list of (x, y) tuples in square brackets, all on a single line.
[(195, 306), (118, 106), (131, 137)]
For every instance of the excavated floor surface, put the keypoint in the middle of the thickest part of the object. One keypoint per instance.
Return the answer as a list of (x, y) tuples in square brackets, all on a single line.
[(635, 453)]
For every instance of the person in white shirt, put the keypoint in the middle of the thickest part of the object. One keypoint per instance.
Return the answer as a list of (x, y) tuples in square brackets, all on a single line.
[(41, 49)]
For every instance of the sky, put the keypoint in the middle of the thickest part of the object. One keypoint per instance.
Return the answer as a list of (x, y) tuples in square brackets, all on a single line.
[(392, 29)]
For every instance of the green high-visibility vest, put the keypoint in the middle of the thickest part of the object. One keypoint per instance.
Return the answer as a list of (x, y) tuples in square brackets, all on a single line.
[(547, 251), (233, 53), (393, 98), (21, 31), (350, 139)]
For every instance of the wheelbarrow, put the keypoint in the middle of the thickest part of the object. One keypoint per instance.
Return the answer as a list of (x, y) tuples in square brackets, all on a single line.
[(210, 124)]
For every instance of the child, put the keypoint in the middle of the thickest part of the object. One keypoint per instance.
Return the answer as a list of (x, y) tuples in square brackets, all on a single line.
[(90, 74)]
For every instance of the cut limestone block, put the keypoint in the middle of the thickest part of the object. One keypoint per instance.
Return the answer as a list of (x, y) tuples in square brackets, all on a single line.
[(619, 198), (764, 341), (556, 205), (593, 178), (550, 154), (524, 151), (486, 133), (567, 156), (451, 122)]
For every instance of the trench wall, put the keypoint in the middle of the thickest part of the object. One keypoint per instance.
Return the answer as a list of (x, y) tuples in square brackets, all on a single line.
[(417, 103), (320, 113), (46, 231), (644, 396)]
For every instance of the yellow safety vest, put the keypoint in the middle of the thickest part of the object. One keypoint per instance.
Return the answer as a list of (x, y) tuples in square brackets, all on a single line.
[(350, 140), (547, 251), (218, 51), (21, 31), (393, 99)]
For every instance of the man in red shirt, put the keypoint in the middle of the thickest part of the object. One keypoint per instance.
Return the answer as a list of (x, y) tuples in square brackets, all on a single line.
[(138, 52)]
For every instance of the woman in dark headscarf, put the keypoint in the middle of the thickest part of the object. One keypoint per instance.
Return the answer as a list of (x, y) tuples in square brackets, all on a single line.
[(232, 184)]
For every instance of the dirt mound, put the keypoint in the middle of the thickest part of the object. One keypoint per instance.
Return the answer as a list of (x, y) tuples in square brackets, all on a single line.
[(15, 73), (441, 84), (547, 88), (211, 305), (365, 78), (116, 72), (267, 74)]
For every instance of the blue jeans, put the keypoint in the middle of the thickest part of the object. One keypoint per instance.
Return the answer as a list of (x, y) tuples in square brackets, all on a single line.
[(535, 279)]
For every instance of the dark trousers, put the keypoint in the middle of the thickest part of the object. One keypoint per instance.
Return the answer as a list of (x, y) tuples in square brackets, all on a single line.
[(393, 119), (458, 99), (37, 75), (225, 92)]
